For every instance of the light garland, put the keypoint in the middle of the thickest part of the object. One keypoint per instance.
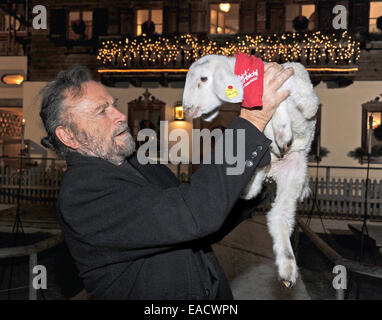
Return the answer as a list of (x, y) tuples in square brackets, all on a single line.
[(179, 52)]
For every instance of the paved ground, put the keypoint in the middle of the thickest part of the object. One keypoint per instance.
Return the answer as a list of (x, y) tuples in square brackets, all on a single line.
[(247, 258), (245, 254)]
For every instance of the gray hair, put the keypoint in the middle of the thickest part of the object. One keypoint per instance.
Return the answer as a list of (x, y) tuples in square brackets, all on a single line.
[(53, 108)]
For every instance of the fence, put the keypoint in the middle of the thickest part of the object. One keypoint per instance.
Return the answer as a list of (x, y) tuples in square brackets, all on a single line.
[(38, 185), (344, 198), (339, 198), (335, 198)]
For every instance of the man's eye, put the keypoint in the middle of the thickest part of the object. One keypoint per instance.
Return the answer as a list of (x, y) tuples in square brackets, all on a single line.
[(204, 79)]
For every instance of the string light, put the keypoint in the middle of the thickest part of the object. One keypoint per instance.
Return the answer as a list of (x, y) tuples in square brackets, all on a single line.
[(315, 49)]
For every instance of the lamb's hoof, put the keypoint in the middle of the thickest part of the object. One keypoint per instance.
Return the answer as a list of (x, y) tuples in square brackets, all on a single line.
[(288, 272), (287, 284)]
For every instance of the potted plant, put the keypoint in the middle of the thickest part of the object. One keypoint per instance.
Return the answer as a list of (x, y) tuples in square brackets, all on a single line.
[(300, 23), (379, 23)]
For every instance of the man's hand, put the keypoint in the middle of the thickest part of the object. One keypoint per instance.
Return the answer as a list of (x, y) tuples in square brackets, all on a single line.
[(274, 77)]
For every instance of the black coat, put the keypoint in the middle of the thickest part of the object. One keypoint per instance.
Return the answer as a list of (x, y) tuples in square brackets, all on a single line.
[(150, 238)]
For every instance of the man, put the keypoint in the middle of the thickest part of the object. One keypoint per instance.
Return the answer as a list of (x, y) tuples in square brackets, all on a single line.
[(134, 231)]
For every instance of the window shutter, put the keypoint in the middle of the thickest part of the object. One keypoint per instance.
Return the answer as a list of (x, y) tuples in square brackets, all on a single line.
[(276, 17), (325, 15), (198, 18), (170, 19), (359, 15), (247, 16), (58, 24), (261, 17), (100, 21)]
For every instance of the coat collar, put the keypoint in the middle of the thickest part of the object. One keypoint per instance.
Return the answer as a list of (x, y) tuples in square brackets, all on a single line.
[(74, 158)]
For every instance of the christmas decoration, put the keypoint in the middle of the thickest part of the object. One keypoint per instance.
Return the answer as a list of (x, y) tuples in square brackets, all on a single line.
[(180, 51)]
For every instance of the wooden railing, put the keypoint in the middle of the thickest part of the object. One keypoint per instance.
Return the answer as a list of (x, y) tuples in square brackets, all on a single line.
[(335, 198), (31, 251), (339, 198), (38, 185), (373, 271), (12, 44)]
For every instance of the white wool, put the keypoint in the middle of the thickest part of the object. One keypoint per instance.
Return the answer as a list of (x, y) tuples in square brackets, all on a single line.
[(291, 130)]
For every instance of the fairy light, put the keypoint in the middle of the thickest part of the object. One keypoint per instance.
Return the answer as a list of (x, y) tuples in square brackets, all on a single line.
[(310, 49)]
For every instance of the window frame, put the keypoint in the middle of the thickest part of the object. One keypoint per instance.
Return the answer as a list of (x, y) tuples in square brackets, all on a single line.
[(312, 156), (366, 109), (69, 25), (217, 18), (369, 26), (300, 5), (150, 17)]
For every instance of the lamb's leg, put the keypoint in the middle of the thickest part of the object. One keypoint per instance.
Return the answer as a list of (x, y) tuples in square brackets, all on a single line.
[(281, 124), (255, 184), (289, 174)]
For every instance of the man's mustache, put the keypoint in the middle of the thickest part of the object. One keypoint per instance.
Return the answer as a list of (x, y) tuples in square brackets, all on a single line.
[(121, 128)]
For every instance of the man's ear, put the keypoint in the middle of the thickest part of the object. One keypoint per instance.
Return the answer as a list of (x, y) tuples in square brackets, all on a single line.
[(67, 137), (227, 86)]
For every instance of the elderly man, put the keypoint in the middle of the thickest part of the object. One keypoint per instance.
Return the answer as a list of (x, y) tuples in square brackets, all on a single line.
[(133, 230)]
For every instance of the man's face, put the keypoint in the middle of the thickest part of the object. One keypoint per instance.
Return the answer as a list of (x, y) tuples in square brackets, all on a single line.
[(100, 129)]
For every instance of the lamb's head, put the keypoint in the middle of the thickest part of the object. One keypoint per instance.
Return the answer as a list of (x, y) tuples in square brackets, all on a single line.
[(209, 83)]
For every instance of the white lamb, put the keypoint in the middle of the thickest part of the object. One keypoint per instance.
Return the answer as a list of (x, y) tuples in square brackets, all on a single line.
[(291, 130)]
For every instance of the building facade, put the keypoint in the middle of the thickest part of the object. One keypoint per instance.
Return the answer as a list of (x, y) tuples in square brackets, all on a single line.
[(86, 31)]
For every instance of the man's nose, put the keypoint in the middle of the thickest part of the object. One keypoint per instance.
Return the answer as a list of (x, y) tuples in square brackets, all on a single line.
[(118, 116)]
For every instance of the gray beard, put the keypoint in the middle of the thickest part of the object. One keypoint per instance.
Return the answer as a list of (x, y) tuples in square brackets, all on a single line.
[(112, 152)]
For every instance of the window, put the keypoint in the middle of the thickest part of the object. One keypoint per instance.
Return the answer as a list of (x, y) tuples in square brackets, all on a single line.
[(7, 22), (294, 10), (80, 25), (373, 109), (375, 13), (224, 18), (316, 151), (155, 16)]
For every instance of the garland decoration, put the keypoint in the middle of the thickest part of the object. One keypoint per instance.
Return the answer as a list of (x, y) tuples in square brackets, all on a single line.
[(335, 48)]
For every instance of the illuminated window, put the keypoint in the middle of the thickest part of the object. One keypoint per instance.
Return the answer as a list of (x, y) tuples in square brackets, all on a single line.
[(80, 25), (375, 13), (224, 18), (8, 23), (294, 10), (156, 16)]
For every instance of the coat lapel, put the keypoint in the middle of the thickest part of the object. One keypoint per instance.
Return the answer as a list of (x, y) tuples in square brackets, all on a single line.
[(157, 174)]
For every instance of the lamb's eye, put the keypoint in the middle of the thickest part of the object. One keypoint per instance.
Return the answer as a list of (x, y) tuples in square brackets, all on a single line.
[(204, 79)]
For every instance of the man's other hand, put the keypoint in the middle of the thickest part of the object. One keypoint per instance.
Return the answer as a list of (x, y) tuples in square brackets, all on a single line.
[(274, 77)]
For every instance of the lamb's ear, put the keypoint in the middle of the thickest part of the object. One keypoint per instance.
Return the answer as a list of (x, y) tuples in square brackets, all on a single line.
[(227, 86)]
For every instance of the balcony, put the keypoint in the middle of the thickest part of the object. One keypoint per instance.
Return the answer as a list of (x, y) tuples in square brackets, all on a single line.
[(11, 45), (165, 58)]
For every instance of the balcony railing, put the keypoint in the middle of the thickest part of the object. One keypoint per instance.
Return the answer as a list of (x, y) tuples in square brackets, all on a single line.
[(10, 45), (324, 53)]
